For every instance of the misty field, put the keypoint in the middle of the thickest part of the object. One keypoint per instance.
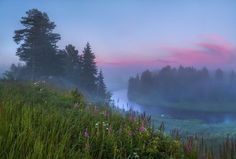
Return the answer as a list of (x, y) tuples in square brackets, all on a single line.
[(38, 121), (118, 79)]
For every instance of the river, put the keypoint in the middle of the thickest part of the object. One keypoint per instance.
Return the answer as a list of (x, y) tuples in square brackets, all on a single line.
[(121, 101)]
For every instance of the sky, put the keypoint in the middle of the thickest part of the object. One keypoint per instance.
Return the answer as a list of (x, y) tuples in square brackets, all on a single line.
[(130, 35)]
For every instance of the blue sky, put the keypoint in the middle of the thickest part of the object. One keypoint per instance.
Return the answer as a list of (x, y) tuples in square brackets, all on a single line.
[(132, 32)]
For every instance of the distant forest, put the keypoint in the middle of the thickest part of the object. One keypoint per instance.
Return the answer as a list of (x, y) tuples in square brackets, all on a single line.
[(44, 61), (183, 84)]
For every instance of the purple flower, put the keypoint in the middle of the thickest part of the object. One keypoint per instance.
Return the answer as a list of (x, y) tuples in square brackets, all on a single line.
[(130, 133), (86, 134), (142, 128), (105, 113), (131, 118)]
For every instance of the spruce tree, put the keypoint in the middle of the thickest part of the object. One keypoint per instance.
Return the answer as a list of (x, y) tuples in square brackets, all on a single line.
[(101, 88), (89, 71), (38, 47), (73, 64)]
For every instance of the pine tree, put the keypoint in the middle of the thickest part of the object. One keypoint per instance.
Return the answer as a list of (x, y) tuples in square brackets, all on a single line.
[(101, 88), (89, 71), (38, 47), (73, 64)]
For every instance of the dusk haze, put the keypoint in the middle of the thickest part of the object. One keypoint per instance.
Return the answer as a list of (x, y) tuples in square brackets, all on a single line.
[(101, 79)]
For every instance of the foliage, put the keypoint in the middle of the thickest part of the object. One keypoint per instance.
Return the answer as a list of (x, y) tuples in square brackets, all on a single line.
[(89, 72), (72, 63), (183, 85), (44, 61), (38, 47)]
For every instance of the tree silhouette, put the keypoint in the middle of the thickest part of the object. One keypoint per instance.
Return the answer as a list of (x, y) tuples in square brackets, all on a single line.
[(185, 84), (89, 70), (101, 88), (38, 47), (219, 75), (73, 64), (42, 59)]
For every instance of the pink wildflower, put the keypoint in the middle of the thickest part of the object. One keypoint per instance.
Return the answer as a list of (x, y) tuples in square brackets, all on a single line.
[(131, 117), (105, 113), (86, 134), (142, 128), (130, 133), (188, 146)]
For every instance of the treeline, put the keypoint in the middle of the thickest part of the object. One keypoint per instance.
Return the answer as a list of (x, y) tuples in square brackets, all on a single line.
[(183, 84), (44, 61)]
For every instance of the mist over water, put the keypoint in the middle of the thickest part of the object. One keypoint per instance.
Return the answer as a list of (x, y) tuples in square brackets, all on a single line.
[(121, 101)]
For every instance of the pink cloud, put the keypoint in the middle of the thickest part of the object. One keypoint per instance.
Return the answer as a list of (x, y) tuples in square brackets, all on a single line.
[(213, 51), (204, 53)]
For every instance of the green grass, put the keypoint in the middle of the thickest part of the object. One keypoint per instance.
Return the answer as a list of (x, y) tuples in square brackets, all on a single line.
[(40, 122)]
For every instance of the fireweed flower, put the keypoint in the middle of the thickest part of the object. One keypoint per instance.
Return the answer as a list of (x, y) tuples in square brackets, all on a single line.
[(188, 146), (142, 128), (105, 114), (131, 117), (130, 133), (86, 134)]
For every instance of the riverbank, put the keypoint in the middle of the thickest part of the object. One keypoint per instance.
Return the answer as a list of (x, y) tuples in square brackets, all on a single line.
[(188, 122)]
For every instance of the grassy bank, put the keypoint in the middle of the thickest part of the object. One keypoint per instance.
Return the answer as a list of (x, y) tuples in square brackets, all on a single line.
[(39, 122)]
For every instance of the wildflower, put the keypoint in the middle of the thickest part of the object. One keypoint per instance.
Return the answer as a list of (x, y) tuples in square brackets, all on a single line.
[(86, 134), (105, 114), (130, 133), (76, 105), (96, 125), (136, 155), (105, 124), (188, 146), (142, 128), (131, 117)]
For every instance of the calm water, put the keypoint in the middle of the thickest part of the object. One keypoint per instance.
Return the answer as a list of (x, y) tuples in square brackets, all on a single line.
[(121, 101)]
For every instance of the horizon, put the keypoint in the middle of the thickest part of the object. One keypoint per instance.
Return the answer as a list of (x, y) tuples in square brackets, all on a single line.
[(135, 35)]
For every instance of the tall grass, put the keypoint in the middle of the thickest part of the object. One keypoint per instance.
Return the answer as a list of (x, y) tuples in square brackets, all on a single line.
[(39, 122)]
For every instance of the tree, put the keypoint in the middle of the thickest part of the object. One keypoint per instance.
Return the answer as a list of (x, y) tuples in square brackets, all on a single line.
[(38, 47), (73, 62), (146, 81), (16, 72), (101, 88), (219, 75), (232, 77), (89, 70)]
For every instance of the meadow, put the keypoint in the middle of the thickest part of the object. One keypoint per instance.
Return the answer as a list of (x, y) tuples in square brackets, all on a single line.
[(38, 121), (41, 122)]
